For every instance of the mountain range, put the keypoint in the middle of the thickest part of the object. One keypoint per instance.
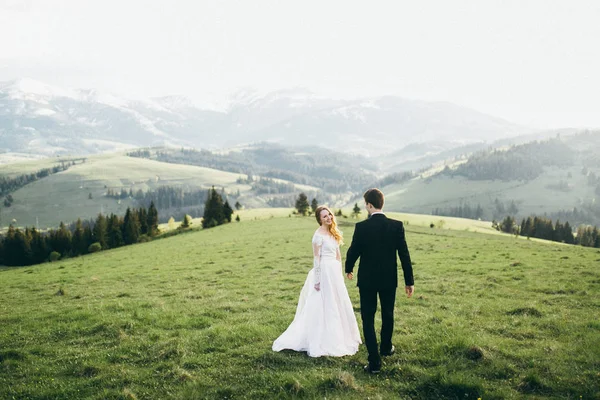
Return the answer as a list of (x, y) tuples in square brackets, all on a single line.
[(37, 119)]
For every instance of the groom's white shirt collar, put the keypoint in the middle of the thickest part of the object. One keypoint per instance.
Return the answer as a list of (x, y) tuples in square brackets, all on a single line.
[(378, 212)]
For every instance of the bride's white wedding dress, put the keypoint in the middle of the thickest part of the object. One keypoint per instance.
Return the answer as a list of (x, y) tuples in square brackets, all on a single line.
[(324, 324)]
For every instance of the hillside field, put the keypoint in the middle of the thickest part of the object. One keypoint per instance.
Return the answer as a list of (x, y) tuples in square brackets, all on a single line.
[(65, 196), (193, 316), (534, 197)]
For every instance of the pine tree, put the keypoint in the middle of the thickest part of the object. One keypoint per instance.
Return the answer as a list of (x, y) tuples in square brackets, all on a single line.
[(39, 247), (62, 240), (558, 232), (238, 206), (87, 235), (131, 227), (568, 233), (78, 241), (356, 210), (302, 204), (187, 222), (152, 219), (143, 219), (314, 204), (2, 262), (7, 244), (100, 232), (20, 248), (228, 211), (114, 232), (214, 213), (507, 225)]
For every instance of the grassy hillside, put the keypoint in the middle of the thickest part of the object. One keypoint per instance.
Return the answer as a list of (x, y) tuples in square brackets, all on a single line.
[(194, 316), (30, 166), (553, 177), (536, 196), (65, 196)]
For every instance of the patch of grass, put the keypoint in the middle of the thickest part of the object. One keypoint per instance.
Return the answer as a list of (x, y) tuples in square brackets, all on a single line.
[(294, 388), (532, 384), (341, 381)]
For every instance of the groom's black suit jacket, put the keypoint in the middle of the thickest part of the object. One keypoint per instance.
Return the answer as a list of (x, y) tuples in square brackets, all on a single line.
[(376, 241)]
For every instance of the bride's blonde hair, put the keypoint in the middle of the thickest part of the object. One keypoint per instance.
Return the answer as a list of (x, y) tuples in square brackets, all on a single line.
[(333, 229)]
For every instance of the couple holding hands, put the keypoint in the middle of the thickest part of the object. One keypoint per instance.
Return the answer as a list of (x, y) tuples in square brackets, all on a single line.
[(324, 323)]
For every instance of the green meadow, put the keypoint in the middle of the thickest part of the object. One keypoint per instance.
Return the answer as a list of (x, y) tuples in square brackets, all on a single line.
[(193, 316)]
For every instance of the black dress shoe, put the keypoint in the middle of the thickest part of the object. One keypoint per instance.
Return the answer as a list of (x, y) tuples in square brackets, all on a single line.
[(389, 353), (369, 369)]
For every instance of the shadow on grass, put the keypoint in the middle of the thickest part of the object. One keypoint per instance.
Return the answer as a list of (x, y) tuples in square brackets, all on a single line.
[(439, 387), (12, 355), (289, 360), (530, 311)]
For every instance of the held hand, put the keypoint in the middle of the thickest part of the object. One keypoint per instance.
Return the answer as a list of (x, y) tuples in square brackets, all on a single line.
[(318, 286), (409, 290), (350, 275)]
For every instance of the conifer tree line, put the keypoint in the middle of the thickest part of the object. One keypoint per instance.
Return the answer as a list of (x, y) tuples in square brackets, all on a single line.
[(8, 184), (30, 246), (520, 162), (544, 228)]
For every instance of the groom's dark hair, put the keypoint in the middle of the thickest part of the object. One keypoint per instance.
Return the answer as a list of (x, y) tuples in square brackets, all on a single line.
[(375, 197)]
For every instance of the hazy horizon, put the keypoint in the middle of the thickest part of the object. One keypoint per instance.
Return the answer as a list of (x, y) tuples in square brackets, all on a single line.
[(532, 63)]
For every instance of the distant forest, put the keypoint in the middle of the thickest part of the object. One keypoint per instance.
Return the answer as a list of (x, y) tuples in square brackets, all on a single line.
[(523, 162), (328, 170), (465, 210)]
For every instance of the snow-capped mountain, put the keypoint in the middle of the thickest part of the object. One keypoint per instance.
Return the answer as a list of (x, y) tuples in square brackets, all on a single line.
[(37, 118)]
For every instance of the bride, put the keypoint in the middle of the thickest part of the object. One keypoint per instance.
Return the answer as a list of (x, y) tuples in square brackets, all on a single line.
[(324, 324)]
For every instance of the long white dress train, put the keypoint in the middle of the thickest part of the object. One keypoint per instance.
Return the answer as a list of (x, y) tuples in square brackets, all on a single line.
[(324, 324)]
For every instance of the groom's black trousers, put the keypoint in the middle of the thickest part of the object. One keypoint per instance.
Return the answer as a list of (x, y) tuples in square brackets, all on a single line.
[(368, 307)]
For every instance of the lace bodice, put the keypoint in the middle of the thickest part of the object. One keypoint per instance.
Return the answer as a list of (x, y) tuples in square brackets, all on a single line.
[(324, 247)]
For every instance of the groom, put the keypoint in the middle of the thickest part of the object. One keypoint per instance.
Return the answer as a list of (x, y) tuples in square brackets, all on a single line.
[(376, 242)]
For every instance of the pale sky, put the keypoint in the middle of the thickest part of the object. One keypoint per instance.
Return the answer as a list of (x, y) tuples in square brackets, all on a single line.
[(533, 62)]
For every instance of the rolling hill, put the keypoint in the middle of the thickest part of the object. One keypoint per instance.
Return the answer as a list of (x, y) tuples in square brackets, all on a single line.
[(551, 177), (65, 196)]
